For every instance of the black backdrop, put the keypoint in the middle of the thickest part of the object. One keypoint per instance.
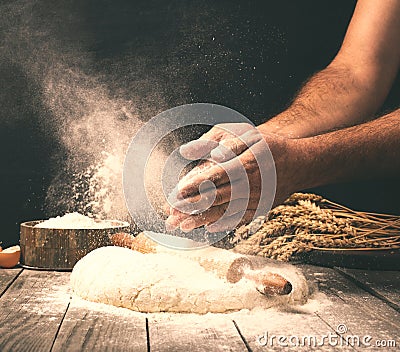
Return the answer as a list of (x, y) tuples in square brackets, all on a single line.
[(251, 56)]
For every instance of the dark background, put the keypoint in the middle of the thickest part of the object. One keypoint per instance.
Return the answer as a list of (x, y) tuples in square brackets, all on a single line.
[(251, 56)]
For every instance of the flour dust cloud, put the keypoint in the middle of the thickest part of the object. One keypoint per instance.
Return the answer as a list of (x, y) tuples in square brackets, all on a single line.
[(99, 70), (92, 105), (96, 131)]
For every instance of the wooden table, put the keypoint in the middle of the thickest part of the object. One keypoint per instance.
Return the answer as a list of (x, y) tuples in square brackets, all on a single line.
[(37, 313)]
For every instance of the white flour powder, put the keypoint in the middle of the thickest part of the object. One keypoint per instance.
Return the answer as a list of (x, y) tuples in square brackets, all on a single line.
[(74, 221)]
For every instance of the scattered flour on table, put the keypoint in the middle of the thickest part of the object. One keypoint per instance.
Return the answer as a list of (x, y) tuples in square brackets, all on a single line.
[(73, 221), (160, 282), (317, 301)]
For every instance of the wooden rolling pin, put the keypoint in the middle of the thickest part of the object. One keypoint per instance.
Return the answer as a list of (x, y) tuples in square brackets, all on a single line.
[(227, 265)]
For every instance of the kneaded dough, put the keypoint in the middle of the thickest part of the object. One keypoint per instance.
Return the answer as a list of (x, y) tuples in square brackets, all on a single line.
[(167, 283)]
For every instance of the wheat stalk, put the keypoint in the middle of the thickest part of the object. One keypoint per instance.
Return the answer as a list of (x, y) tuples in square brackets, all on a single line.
[(307, 221)]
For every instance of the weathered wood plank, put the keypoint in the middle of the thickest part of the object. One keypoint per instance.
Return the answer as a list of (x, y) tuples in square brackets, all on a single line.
[(296, 328), (360, 312), (89, 326), (32, 309), (385, 284), (300, 331), (191, 332), (6, 278)]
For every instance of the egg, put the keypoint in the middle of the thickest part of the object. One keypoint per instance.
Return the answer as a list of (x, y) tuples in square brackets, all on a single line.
[(9, 257)]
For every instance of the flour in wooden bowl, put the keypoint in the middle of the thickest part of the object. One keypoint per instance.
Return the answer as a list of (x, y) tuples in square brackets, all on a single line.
[(76, 221)]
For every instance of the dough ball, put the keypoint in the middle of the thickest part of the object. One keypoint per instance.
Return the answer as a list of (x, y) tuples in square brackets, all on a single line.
[(158, 282)]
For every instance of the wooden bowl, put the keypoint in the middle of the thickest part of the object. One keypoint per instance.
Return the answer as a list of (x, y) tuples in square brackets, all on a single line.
[(60, 249)]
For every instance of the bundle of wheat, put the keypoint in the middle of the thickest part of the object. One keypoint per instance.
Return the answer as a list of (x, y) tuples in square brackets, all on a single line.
[(306, 222)]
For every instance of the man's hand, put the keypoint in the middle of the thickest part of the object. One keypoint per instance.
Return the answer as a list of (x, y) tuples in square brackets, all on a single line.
[(241, 170), (201, 147)]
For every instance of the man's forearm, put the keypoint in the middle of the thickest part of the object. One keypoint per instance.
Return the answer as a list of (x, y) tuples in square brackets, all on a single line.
[(369, 150), (334, 98)]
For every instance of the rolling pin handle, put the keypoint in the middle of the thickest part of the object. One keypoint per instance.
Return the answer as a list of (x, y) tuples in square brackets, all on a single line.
[(271, 284)]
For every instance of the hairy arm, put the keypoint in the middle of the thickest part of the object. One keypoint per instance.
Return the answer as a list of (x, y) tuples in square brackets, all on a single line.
[(354, 85), (369, 150)]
